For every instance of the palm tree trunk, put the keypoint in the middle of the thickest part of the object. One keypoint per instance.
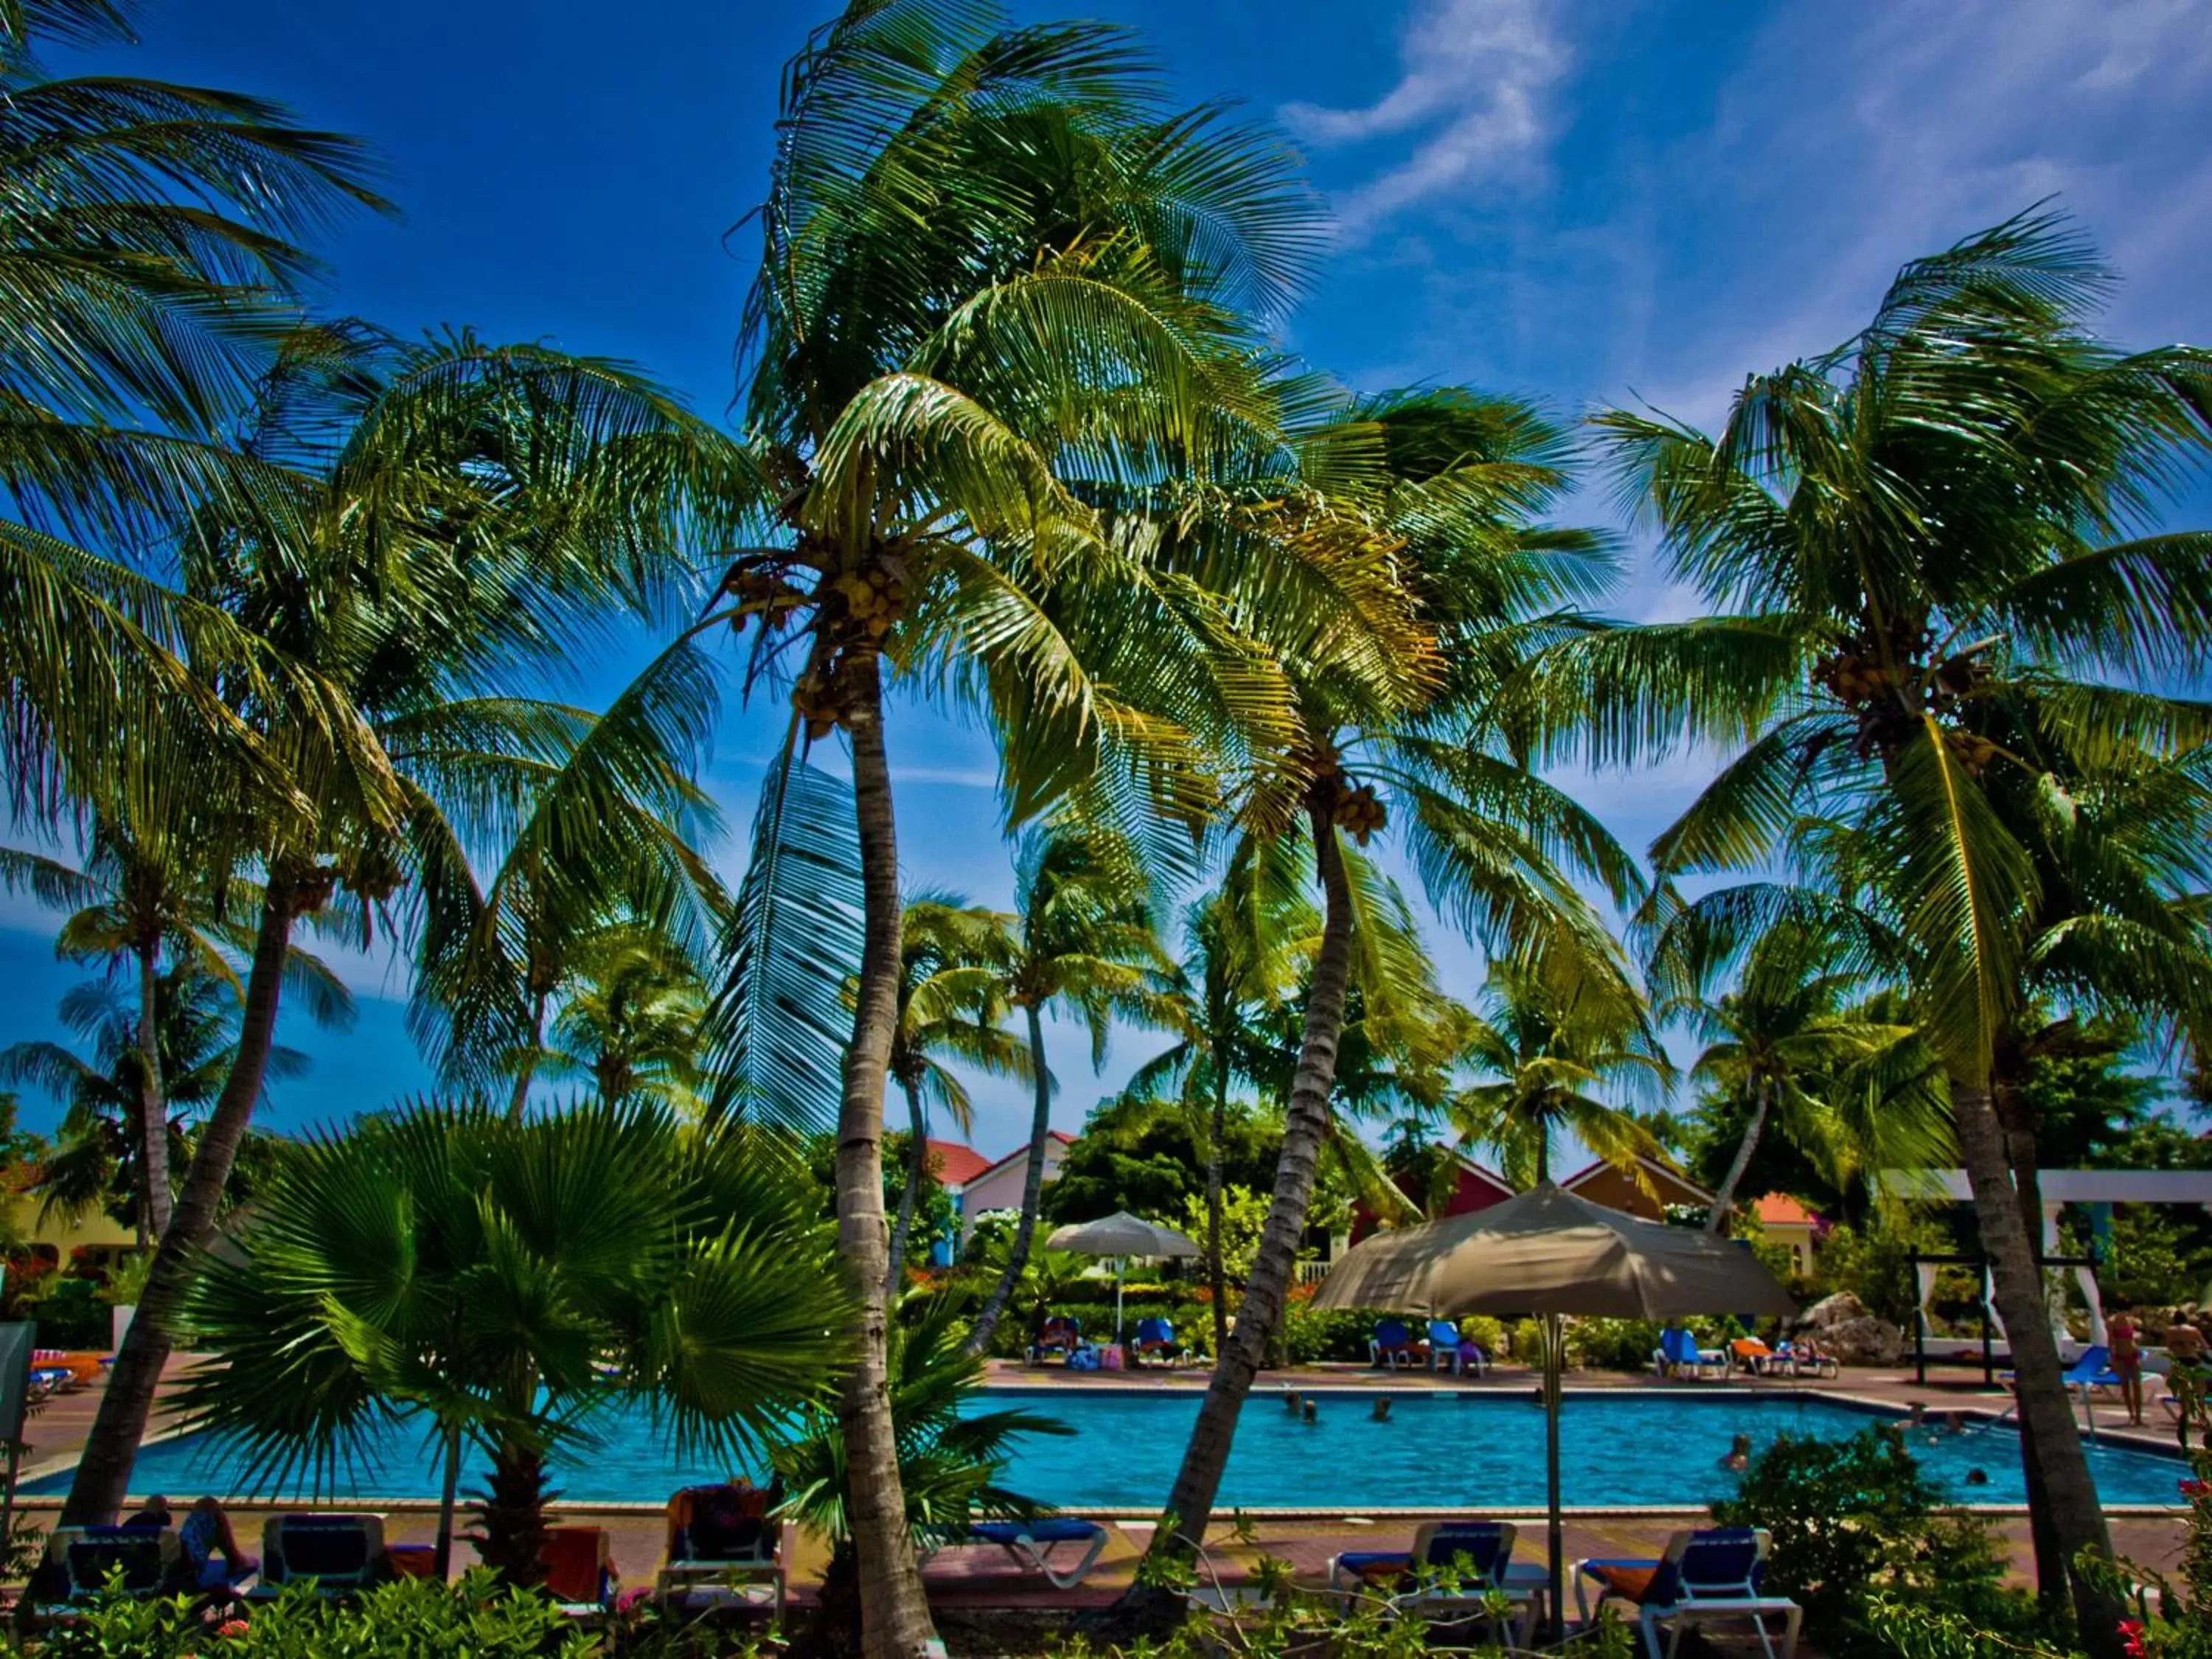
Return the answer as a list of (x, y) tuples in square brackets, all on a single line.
[(1724, 1200), (1216, 1279), (528, 1069), (153, 1113), (894, 1612), (2076, 1518), (442, 1559), (103, 1472), (2019, 1125), (1017, 1258), (511, 1515), (1190, 1504), (917, 1170)]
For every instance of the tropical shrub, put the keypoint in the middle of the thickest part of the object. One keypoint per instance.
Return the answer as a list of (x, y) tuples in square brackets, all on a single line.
[(1859, 1530), (404, 1619), (2170, 1620), (949, 1460), (507, 1280), (1311, 1333), (1612, 1345)]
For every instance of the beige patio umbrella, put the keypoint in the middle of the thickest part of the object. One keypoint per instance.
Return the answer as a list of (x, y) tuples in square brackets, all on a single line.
[(1550, 1254), (1120, 1235)]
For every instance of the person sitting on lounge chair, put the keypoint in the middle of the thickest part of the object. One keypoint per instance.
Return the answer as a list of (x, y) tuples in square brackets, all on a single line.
[(207, 1539)]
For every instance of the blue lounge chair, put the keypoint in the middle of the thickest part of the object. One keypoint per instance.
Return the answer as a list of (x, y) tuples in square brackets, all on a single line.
[(338, 1554), (81, 1561), (1031, 1544), (1392, 1345), (1471, 1561), (1446, 1352), (1704, 1576), (1155, 1339), (1678, 1353)]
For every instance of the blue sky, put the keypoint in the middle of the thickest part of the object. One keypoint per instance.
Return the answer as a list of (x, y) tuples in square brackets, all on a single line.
[(1583, 201)]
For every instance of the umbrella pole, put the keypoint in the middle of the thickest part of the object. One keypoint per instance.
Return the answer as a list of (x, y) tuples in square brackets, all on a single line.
[(1118, 1264), (1554, 1341)]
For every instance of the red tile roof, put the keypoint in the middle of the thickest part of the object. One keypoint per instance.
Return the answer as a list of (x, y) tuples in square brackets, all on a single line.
[(1780, 1207), (957, 1163)]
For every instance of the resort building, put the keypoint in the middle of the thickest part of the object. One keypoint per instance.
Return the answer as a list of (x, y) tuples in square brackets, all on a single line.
[(1475, 1186), (1789, 1223), (1668, 1189), (955, 1164), (999, 1186)]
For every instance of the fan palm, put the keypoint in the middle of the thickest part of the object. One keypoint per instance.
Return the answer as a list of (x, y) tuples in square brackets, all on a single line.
[(1923, 543), (952, 1007), (1084, 945), (452, 509), (507, 1284)]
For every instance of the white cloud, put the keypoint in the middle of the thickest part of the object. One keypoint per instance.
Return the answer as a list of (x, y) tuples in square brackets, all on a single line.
[(1477, 73), (1849, 140)]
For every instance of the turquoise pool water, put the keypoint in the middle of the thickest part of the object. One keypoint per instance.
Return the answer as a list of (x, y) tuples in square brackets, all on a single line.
[(1468, 1450)]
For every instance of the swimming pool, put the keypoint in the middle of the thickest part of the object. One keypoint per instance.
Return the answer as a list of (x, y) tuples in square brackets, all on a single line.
[(1437, 1451)]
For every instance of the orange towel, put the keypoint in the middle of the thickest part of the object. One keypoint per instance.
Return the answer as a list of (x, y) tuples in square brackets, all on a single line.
[(1629, 1584)]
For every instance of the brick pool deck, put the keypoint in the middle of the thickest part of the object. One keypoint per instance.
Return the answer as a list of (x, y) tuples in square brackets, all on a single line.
[(970, 1579)]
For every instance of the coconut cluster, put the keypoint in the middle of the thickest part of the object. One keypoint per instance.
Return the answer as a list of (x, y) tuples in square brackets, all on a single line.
[(857, 607), (1889, 685), (1358, 810)]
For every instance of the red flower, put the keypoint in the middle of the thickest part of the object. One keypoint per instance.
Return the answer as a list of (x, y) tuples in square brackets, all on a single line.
[(2196, 1489), (231, 1627), (2133, 1629)]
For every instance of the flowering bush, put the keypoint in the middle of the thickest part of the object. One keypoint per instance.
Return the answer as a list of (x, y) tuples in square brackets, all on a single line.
[(2172, 1620)]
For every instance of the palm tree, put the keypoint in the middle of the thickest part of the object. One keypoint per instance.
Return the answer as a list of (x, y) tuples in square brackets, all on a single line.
[(504, 1284), (147, 252), (606, 855), (631, 1024), (450, 508), (1791, 1040), (1552, 1058), (952, 1458), (952, 1007), (1935, 529), (1452, 483), (999, 267), (98, 1159), (1084, 947), (1239, 968)]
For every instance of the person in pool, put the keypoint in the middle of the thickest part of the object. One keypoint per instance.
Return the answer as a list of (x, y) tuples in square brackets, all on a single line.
[(1739, 1454)]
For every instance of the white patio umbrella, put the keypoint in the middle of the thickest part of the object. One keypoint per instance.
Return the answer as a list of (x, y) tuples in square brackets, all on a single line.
[(1549, 1252), (1120, 1235)]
